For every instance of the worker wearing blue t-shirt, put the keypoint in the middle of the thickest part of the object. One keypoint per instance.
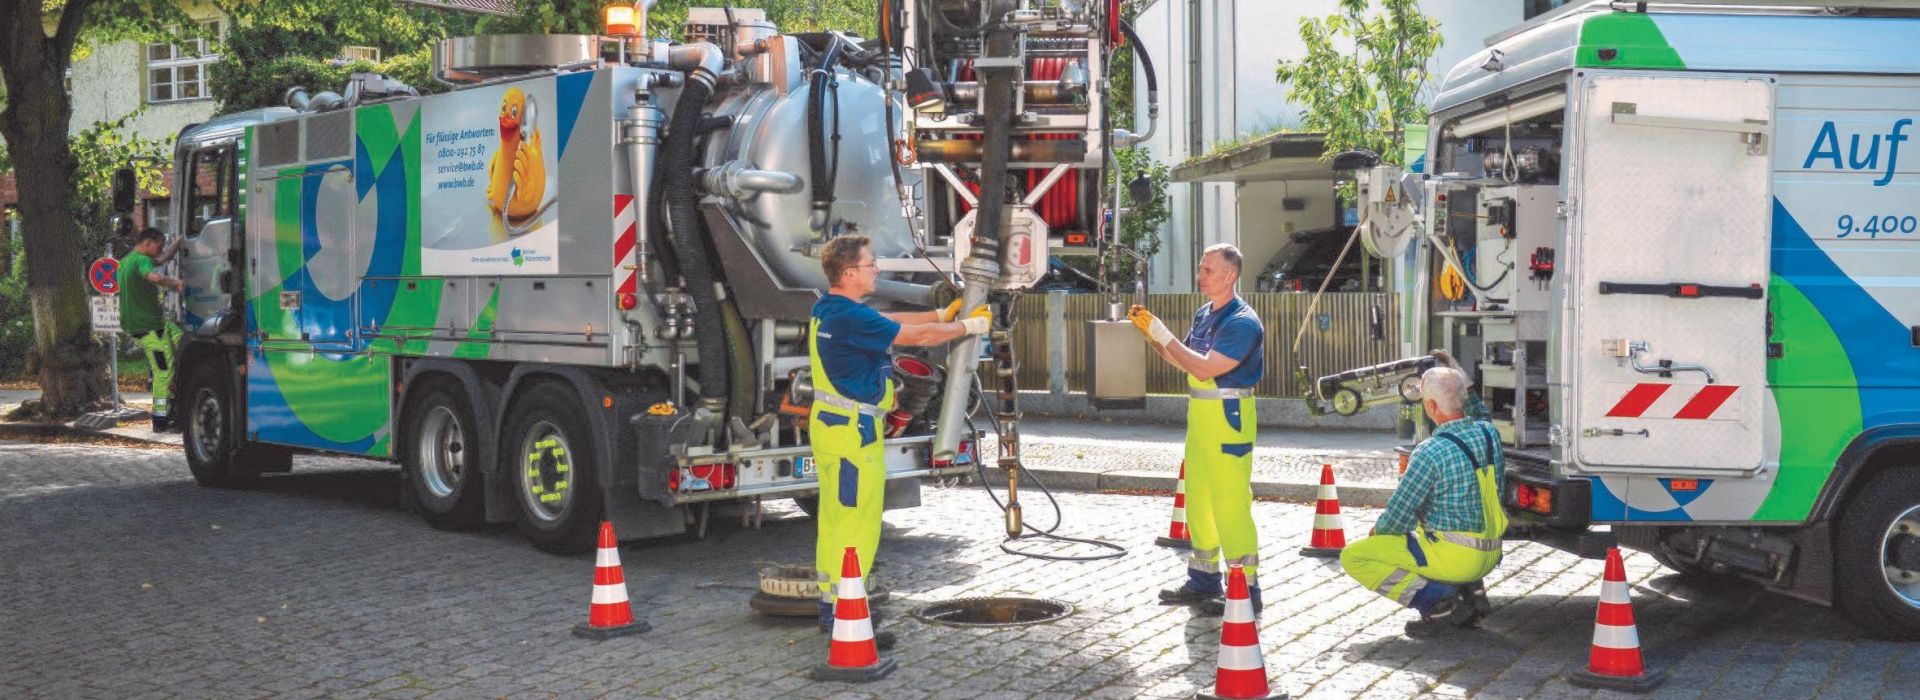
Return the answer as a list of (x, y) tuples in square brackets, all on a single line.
[(848, 342), (1224, 357)]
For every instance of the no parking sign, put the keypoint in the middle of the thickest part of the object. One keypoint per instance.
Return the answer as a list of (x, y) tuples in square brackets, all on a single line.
[(104, 276)]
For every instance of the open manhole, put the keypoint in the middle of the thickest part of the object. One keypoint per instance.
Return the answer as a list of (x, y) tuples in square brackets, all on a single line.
[(993, 612)]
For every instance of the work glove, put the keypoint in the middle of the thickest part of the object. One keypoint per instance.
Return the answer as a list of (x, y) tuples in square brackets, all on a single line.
[(978, 321), (1149, 325), (952, 311)]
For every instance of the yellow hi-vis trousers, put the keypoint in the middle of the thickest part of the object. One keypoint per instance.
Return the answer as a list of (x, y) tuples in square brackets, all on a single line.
[(160, 347), (1220, 437), (1398, 566), (852, 464)]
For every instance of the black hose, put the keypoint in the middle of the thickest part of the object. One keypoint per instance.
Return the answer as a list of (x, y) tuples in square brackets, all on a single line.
[(1146, 62), (689, 245), (1059, 516), (657, 232), (817, 137)]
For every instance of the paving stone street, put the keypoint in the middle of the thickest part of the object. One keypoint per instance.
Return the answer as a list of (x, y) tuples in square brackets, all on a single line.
[(120, 578)]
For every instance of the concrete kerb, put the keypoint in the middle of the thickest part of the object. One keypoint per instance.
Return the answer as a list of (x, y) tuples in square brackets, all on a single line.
[(1136, 481)]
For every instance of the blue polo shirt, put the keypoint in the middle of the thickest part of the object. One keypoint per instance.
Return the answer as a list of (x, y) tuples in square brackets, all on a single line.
[(854, 340), (1235, 331)]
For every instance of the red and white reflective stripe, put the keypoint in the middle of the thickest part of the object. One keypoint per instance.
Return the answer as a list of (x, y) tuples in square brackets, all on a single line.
[(860, 630), (1241, 659), (1616, 637), (1238, 610), (1614, 593), (1329, 492), (1180, 513), (1657, 400), (609, 594), (626, 233), (607, 557), (1322, 521), (851, 588)]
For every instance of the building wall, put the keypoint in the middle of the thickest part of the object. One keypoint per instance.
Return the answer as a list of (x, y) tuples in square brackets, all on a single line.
[(1215, 60), (1266, 225), (111, 83)]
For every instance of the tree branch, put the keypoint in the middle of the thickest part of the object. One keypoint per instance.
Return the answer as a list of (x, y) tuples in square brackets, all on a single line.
[(71, 20)]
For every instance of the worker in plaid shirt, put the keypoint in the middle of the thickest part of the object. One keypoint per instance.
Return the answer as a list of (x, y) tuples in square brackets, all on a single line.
[(1441, 531)]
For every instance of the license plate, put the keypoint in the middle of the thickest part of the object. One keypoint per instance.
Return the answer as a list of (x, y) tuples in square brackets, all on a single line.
[(805, 465)]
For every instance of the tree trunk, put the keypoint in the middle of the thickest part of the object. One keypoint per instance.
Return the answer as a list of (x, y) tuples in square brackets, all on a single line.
[(72, 364)]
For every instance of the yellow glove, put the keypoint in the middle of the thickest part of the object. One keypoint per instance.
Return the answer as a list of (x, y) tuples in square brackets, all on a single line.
[(947, 315), (978, 321), (1149, 325)]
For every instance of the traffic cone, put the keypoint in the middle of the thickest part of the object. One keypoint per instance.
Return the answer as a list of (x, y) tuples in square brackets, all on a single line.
[(852, 655), (1329, 535), (611, 614), (1615, 660), (1241, 672), (1177, 537)]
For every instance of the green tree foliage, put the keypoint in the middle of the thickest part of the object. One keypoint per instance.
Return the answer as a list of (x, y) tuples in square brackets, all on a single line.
[(278, 44), (1140, 225), (1362, 77)]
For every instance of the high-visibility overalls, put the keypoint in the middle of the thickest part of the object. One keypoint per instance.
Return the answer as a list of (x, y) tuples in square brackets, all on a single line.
[(160, 346), (1398, 566), (852, 465), (1221, 428)]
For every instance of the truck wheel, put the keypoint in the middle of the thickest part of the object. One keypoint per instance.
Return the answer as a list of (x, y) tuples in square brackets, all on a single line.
[(439, 463), (550, 462), (212, 453), (1877, 562)]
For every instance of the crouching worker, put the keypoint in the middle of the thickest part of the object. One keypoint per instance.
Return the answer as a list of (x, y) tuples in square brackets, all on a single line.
[(1441, 530)]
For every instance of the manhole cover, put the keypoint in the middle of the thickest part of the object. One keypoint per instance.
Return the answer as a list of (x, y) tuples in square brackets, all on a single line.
[(993, 612)]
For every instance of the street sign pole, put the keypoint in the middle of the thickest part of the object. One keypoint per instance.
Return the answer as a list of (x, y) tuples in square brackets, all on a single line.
[(106, 320)]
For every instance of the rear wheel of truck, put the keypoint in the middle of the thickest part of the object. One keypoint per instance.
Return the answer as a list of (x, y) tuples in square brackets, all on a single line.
[(549, 460), (1877, 557), (208, 430), (439, 463)]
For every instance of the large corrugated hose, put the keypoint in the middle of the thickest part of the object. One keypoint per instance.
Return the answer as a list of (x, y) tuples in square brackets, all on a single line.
[(683, 208)]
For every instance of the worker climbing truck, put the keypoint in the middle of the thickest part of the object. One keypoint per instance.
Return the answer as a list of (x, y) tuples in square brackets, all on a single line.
[(1675, 247), (575, 284)]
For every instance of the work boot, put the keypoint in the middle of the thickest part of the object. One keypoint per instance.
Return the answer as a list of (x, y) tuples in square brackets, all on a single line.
[(1217, 606), (1476, 593), (1200, 587), (1443, 608), (162, 424), (882, 639)]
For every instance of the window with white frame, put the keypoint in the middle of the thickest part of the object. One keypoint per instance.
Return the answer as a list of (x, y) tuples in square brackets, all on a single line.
[(178, 72), (369, 54)]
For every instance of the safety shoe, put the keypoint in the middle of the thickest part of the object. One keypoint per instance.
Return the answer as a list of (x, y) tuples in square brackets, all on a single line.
[(1451, 614), (1476, 594), (1182, 595), (162, 424)]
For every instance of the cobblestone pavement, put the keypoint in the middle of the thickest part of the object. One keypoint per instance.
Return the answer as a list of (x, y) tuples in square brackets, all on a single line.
[(119, 578)]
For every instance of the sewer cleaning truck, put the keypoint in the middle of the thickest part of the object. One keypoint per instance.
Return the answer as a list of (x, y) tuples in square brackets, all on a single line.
[(575, 284), (1674, 245)]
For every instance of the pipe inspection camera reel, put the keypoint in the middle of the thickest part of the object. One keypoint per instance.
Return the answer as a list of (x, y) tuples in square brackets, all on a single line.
[(1354, 390)]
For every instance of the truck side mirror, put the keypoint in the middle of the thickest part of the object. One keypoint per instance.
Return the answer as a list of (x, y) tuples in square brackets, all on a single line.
[(124, 189)]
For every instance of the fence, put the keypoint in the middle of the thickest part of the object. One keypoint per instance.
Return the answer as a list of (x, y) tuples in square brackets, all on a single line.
[(1340, 337)]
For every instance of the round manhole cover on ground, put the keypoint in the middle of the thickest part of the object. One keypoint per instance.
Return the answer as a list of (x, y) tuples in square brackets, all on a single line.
[(993, 612)]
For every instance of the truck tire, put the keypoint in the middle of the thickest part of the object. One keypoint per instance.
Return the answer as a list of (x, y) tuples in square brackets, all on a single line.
[(439, 462), (207, 433), (1876, 549), (549, 459)]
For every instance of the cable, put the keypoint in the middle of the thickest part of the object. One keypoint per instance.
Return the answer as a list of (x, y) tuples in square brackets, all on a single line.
[(1059, 517)]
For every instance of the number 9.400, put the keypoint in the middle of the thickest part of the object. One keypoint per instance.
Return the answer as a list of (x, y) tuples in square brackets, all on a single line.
[(1873, 226)]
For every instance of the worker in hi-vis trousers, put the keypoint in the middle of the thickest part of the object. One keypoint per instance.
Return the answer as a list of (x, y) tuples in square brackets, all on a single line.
[(140, 280), (1441, 530), (848, 342), (1224, 358)]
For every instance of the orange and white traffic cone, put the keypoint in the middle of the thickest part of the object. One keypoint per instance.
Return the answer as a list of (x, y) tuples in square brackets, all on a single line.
[(852, 655), (1615, 660), (1177, 537), (611, 614), (1241, 673), (1329, 535)]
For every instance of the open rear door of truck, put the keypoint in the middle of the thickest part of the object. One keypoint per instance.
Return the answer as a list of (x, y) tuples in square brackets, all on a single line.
[(1670, 230)]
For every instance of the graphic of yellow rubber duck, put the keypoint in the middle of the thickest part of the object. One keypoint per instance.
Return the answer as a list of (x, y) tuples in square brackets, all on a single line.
[(517, 174)]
